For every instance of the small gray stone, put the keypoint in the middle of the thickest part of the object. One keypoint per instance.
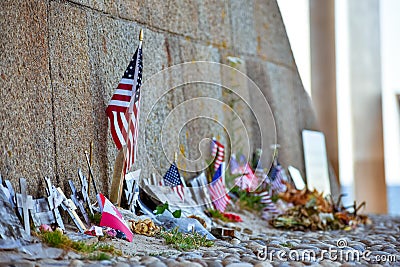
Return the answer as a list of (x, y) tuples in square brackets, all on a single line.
[(274, 242), (148, 260), (235, 241), (248, 258), (390, 250), (263, 264), (358, 247), (240, 264), (188, 264), (192, 255), (376, 247), (210, 254), (329, 263), (303, 246), (170, 262), (23, 263), (222, 243), (229, 260), (157, 264), (200, 261), (76, 263), (214, 263), (72, 255), (230, 251), (121, 264)]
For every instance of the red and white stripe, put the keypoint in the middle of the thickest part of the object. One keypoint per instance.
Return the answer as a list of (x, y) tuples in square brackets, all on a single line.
[(179, 190), (217, 150), (123, 113), (111, 217), (117, 111), (270, 207), (219, 197), (248, 181)]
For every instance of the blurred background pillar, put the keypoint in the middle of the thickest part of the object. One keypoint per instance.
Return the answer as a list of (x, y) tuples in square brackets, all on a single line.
[(366, 104), (323, 73)]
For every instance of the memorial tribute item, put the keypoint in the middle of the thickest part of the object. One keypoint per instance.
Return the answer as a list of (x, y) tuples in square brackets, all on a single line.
[(173, 179), (123, 114), (316, 162), (111, 217), (24, 204)]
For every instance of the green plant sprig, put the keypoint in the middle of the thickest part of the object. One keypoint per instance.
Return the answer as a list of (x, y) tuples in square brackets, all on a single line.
[(58, 240), (185, 242)]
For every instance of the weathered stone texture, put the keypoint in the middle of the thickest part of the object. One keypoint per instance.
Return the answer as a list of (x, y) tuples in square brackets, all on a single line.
[(26, 118), (53, 108), (73, 105), (272, 42), (244, 34)]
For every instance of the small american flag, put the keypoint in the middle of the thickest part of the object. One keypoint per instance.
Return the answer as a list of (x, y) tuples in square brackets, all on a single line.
[(123, 112), (234, 165), (172, 178), (277, 178), (218, 150), (248, 181), (269, 206), (218, 194)]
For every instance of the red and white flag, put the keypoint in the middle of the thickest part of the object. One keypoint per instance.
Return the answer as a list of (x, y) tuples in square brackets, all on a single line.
[(111, 217), (248, 181), (217, 189), (123, 111), (218, 150)]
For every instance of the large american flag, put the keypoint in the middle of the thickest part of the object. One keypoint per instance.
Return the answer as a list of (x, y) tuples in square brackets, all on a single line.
[(218, 150), (218, 194), (124, 113), (172, 178)]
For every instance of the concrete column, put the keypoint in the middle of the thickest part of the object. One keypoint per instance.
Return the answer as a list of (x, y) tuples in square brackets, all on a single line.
[(323, 73), (366, 104)]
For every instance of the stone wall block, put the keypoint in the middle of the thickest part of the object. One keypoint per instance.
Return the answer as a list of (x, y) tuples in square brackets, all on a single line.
[(244, 36), (272, 41), (26, 118), (73, 98)]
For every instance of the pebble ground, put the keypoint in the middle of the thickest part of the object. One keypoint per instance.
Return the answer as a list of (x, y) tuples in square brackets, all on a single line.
[(372, 245)]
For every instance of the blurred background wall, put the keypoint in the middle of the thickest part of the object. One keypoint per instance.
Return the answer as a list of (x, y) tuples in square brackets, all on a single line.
[(61, 61), (348, 58)]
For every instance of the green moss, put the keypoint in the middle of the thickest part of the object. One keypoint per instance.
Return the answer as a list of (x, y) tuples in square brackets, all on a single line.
[(95, 218), (183, 241), (59, 240), (217, 215), (99, 257), (248, 200)]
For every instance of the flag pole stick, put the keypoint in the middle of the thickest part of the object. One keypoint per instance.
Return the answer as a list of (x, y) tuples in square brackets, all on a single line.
[(91, 172), (180, 176), (91, 163), (121, 183)]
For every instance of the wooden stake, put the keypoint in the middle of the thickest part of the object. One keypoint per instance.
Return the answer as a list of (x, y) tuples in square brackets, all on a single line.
[(91, 172), (91, 164), (84, 190), (78, 201), (118, 178)]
